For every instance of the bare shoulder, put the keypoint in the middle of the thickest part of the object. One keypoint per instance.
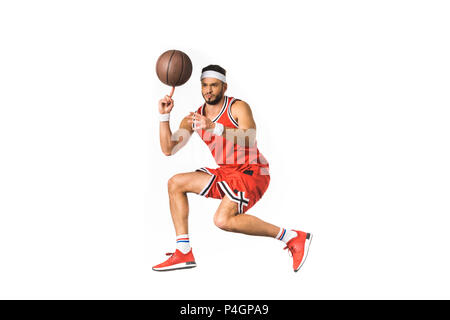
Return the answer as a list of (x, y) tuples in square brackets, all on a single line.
[(242, 113), (240, 108)]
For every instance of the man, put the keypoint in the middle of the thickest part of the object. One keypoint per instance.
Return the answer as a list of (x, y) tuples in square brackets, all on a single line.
[(227, 126)]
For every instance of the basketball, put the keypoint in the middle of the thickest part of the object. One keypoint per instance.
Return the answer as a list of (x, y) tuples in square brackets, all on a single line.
[(174, 68)]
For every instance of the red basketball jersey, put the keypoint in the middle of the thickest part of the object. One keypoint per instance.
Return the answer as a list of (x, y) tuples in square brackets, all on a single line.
[(224, 151)]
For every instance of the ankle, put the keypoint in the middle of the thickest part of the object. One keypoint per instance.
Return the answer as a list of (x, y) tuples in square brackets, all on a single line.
[(286, 235), (183, 243)]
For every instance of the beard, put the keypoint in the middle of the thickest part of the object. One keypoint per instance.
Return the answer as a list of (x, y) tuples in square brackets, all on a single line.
[(216, 100)]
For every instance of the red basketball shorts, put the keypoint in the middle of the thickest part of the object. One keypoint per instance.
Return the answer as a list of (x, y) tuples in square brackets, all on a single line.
[(243, 184)]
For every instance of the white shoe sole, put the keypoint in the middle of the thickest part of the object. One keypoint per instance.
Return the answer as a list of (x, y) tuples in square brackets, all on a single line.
[(306, 249), (178, 266)]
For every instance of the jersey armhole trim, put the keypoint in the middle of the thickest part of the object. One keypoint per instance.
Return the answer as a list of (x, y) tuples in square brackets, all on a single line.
[(229, 113)]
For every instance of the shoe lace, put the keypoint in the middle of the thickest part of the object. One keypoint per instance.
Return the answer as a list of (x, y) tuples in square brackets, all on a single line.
[(171, 254), (291, 250)]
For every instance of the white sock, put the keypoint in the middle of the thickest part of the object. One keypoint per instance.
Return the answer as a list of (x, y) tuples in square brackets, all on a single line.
[(285, 235), (183, 243)]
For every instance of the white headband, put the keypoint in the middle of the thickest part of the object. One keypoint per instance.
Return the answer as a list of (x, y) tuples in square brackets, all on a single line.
[(213, 74)]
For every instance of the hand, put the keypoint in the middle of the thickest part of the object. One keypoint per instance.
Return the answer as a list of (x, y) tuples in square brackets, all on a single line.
[(200, 122), (165, 105)]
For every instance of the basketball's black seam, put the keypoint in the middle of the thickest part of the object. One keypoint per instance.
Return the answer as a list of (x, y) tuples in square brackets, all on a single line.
[(182, 66), (168, 66)]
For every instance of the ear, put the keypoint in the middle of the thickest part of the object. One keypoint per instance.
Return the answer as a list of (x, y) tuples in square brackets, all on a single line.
[(225, 86)]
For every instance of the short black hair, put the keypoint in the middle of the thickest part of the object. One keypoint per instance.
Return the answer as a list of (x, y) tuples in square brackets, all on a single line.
[(215, 67)]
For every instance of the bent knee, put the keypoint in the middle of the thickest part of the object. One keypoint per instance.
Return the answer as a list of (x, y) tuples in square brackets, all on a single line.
[(223, 222), (175, 183)]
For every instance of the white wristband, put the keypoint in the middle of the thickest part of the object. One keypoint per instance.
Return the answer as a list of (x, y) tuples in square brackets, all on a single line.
[(164, 117), (218, 129)]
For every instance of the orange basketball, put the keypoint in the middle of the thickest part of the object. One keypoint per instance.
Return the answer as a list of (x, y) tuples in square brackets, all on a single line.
[(174, 68)]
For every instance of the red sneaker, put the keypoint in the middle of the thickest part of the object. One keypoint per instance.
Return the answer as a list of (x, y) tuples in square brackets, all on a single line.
[(177, 260), (299, 247)]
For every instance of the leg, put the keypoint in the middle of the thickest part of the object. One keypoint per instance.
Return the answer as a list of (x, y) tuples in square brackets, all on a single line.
[(226, 218), (178, 186)]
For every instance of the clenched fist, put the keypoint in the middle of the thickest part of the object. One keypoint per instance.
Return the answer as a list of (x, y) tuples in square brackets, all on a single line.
[(165, 105)]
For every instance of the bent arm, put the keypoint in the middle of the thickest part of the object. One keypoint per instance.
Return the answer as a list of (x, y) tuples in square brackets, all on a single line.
[(245, 134), (171, 143)]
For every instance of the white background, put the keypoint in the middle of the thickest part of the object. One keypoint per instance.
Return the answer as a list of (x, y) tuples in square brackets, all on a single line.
[(351, 99)]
